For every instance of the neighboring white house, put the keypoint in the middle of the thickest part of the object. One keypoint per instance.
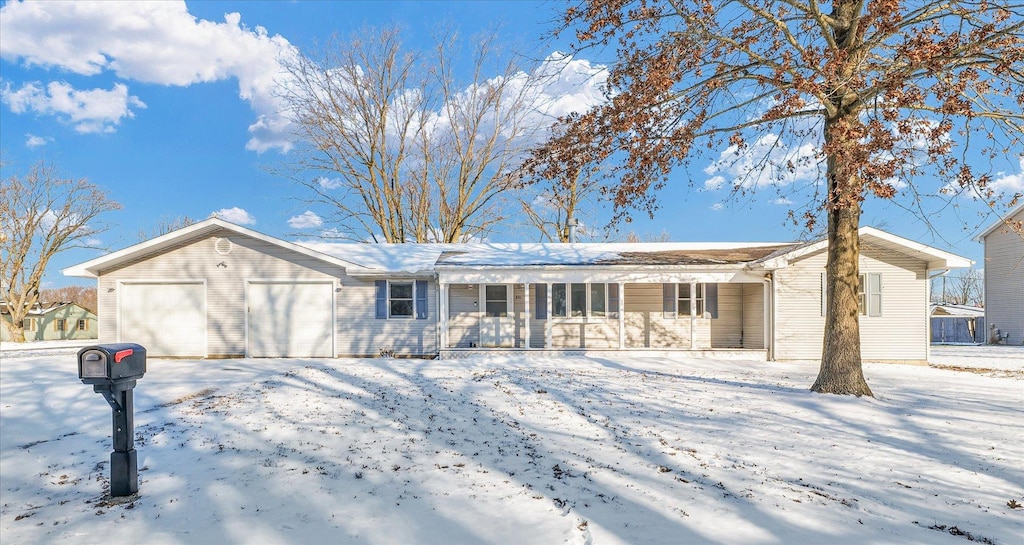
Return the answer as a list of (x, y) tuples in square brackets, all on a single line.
[(1004, 278), (214, 289)]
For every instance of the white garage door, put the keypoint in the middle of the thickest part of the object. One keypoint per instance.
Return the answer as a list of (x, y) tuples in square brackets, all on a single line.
[(291, 320), (168, 319)]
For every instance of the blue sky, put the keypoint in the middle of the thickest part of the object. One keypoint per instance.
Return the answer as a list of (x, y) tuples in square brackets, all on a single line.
[(162, 106)]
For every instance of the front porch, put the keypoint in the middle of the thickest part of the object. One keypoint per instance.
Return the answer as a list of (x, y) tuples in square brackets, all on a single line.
[(710, 315)]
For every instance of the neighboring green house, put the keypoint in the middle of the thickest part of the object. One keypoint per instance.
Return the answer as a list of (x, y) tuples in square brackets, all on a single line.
[(54, 322)]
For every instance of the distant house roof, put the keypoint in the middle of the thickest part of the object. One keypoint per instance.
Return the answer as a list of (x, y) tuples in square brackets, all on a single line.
[(958, 311), (1000, 223), (41, 309)]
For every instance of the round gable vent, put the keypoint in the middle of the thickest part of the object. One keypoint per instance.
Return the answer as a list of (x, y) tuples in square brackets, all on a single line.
[(223, 246)]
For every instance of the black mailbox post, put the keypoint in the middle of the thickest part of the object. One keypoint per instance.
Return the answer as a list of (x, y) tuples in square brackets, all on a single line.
[(113, 369)]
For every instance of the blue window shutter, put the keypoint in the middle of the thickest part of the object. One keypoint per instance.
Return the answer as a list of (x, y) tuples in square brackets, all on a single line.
[(711, 299), (668, 300), (382, 298), (421, 299), (540, 299), (613, 301)]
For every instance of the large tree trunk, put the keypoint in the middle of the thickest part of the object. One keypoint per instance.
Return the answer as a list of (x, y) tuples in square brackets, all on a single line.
[(841, 371)]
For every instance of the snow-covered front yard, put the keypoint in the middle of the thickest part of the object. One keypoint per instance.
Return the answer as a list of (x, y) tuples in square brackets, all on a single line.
[(519, 450)]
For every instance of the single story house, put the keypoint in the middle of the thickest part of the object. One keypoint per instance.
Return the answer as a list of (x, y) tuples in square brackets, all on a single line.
[(54, 322), (958, 324), (1004, 278), (214, 289)]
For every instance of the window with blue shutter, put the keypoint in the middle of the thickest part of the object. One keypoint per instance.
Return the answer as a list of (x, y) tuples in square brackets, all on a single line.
[(421, 299), (382, 299)]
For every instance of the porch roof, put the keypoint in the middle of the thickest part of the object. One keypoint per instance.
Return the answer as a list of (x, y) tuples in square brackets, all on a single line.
[(603, 255)]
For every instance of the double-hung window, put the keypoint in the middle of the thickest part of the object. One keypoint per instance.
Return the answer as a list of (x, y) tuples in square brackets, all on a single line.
[(83, 325), (60, 324), (401, 299), (689, 299)]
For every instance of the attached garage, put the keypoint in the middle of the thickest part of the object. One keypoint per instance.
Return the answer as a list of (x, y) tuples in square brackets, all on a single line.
[(168, 318), (290, 319)]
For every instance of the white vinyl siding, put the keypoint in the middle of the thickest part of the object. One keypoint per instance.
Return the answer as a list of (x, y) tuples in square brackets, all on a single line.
[(1004, 282), (360, 333), (898, 331)]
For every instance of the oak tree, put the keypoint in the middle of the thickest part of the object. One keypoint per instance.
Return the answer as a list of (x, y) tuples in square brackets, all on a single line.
[(41, 215), (888, 94)]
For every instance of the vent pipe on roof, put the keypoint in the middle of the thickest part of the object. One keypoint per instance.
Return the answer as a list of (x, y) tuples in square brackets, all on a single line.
[(573, 225)]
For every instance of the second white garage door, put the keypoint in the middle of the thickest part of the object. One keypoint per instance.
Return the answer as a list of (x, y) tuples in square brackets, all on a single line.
[(291, 319)]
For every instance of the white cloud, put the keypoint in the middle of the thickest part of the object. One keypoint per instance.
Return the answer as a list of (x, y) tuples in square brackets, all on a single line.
[(767, 161), (305, 220), (1009, 184), (782, 201), (151, 42), (717, 206), (162, 43), (329, 183), (95, 110), (235, 215), (33, 141)]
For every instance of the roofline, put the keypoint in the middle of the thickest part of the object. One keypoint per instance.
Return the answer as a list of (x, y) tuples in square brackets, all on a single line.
[(940, 259), (999, 223), (91, 268)]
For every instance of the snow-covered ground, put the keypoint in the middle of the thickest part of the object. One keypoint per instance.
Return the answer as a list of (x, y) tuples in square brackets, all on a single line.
[(519, 450)]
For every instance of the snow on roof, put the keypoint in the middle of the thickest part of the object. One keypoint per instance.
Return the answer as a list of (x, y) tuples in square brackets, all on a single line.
[(958, 311), (39, 309), (423, 258)]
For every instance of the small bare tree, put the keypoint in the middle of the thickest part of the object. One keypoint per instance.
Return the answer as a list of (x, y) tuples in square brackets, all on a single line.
[(42, 215), (403, 149), (163, 226), (964, 288)]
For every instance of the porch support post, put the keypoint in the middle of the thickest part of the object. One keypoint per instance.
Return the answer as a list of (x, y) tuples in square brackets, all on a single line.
[(526, 314), (622, 315), (693, 315), (442, 311), (547, 322)]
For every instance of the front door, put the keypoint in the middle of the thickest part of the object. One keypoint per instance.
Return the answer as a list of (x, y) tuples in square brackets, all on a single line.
[(497, 326)]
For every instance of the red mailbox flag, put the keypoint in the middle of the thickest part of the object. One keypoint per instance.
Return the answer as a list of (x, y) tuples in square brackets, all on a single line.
[(122, 354)]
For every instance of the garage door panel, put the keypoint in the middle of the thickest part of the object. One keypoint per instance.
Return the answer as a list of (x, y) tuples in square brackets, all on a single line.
[(168, 319), (291, 319)]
